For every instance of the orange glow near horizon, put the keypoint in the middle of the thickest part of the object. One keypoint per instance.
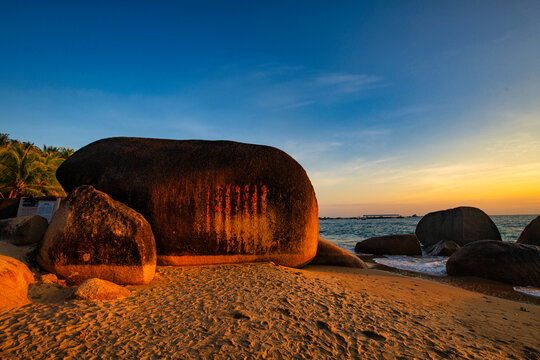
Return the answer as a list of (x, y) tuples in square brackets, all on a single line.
[(500, 182)]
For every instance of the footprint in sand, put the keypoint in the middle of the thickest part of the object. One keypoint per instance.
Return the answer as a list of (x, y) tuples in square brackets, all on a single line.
[(373, 335)]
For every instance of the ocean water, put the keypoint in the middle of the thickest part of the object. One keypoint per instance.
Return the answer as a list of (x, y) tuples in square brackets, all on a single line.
[(345, 233)]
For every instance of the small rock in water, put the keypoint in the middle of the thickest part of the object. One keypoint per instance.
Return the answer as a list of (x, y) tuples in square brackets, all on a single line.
[(442, 248), (399, 244)]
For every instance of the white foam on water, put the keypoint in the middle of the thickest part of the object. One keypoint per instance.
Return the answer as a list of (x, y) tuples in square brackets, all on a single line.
[(529, 290), (430, 265)]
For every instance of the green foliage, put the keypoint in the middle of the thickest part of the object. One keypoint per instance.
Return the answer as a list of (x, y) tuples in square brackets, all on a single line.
[(26, 170)]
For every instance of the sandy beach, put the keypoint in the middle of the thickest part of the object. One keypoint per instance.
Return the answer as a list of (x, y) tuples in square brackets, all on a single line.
[(268, 311)]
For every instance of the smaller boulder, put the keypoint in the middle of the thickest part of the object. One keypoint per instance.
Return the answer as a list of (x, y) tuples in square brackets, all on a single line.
[(531, 233), (22, 231), (92, 235), (442, 248), (330, 254), (49, 279), (14, 280), (401, 244), (98, 289), (516, 264)]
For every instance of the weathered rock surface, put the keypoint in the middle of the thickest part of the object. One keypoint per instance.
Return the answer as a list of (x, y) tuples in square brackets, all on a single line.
[(461, 225), (531, 233), (208, 201), (330, 254), (442, 248), (400, 244), (92, 235), (517, 264), (22, 231), (49, 279), (14, 279), (98, 289)]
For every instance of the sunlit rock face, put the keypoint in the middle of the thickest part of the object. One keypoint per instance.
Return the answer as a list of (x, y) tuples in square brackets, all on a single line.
[(14, 279), (208, 202), (92, 235), (531, 233), (461, 225)]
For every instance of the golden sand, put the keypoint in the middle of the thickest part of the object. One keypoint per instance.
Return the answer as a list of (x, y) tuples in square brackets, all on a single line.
[(267, 311)]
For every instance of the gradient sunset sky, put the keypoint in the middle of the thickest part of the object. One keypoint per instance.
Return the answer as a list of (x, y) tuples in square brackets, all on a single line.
[(391, 107)]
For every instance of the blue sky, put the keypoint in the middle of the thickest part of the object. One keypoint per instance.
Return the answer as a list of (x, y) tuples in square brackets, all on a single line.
[(405, 106)]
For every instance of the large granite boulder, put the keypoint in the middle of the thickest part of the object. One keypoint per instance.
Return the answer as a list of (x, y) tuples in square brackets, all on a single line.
[(400, 244), (517, 264), (442, 248), (92, 235), (99, 289), (14, 280), (531, 233), (208, 201), (461, 225), (330, 254), (22, 231)]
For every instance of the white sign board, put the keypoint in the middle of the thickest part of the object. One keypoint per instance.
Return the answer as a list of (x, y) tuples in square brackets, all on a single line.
[(45, 208)]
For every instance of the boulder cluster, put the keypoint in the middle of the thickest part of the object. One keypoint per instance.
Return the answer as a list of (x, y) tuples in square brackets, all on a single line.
[(135, 203), (473, 244)]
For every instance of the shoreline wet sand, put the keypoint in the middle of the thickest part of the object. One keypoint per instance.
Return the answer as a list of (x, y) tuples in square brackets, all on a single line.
[(267, 311), (471, 283)]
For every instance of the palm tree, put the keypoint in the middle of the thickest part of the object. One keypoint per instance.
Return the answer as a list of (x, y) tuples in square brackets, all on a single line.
[(50, 149), (4, 139), (50, 185), (65, 152), (25, 172)]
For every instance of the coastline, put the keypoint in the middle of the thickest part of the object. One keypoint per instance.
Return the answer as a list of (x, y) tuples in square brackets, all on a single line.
[(268, 311)]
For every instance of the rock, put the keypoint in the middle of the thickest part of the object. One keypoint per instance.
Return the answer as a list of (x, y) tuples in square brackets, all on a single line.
[(531, 233), (208, 202), (516, 264), (461, 225), (330, 254), (401, 244), (24, 254), (49, 279), (9, 208), (14, 279), (92, 235), (22, 231), (98, 289), (442, 248)]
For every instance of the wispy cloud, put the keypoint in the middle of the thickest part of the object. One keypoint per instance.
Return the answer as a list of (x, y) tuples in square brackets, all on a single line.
[(347, 83), (409, 110), (287, 87)]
